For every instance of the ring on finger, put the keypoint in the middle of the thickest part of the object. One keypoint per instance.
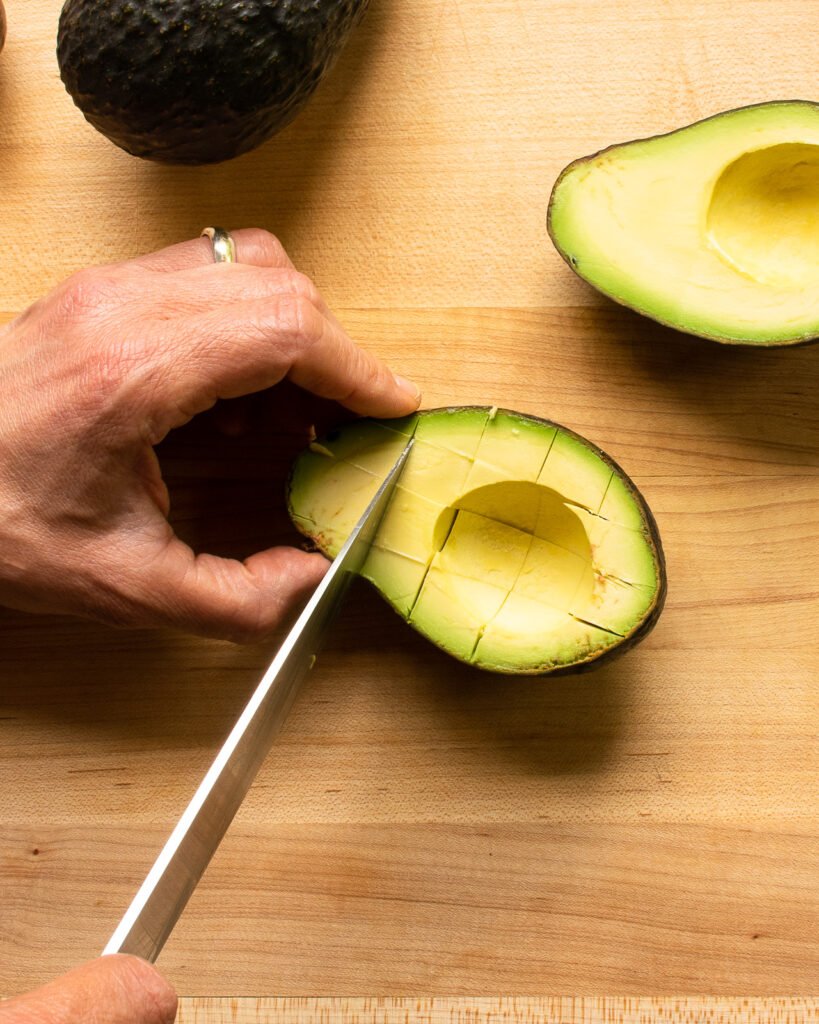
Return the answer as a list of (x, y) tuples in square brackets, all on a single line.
[(222, 244)]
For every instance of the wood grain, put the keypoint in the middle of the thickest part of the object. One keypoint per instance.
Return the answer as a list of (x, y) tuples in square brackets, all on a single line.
[(423, 830), (456, 909), (557, 1010), (420, 174)]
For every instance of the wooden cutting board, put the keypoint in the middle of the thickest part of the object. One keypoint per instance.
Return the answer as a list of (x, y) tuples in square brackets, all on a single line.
[(423, 830)]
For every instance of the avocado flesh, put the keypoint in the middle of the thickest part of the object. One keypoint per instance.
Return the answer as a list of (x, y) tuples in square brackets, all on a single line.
[(712, 229), (494, 545), (198, 81)]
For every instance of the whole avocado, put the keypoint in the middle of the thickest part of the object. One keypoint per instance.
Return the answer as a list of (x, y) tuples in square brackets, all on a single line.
[(197, 81)]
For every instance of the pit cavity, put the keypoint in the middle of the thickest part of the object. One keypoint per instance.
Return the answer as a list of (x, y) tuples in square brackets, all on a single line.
[(763, 217), (518, 535)]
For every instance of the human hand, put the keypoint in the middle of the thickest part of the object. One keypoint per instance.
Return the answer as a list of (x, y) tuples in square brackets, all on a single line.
[(95, 375), (111, 990)]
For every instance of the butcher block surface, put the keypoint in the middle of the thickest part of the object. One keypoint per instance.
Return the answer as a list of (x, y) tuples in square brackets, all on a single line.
[(427, 842)]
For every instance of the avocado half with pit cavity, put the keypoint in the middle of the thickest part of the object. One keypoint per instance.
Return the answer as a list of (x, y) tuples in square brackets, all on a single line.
[(712, 229), (511, 542)]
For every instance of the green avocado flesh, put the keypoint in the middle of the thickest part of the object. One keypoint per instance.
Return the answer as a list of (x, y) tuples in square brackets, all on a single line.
[(713, 229), (197, 81), (511, 542)]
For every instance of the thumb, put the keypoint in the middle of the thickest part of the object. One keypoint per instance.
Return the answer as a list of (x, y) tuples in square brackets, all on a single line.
[(225, 598), (110, 990)]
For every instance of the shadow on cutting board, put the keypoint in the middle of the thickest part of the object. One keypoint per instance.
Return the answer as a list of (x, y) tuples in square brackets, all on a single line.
[(272, 185), (543, 725), (156, 689), (746, 405), (160, 690)]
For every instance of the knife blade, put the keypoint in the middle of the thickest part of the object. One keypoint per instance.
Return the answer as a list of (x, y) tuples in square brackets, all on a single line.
[(163, 895)]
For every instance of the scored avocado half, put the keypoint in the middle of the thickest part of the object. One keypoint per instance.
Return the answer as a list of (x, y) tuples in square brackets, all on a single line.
[(512, 543), (712, 229)]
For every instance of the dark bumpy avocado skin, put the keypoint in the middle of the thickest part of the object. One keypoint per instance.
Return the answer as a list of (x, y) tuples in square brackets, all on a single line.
[(197, 81)]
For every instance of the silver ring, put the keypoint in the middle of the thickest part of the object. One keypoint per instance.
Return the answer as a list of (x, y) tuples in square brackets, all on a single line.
[(224, 248)]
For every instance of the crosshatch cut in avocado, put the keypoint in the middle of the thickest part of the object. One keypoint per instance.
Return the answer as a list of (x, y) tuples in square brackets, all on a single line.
[(198, 81), (511, 542), (712, 229)]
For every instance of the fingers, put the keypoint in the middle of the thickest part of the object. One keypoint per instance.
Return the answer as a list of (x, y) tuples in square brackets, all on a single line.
[(227, 599), (251, 346), (245, 327), (331, 366), (253, 246), (110, 990), (325, 361)]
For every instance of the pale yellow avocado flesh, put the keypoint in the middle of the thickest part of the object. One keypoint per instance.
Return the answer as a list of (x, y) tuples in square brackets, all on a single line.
[(713, 229), (494, 544)]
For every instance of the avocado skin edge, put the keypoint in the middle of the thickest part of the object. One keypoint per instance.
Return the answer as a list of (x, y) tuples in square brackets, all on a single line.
[(596, 659), (567, 258), (198, 81)]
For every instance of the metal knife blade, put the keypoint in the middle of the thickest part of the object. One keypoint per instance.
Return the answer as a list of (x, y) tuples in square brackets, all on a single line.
[(169, 884)]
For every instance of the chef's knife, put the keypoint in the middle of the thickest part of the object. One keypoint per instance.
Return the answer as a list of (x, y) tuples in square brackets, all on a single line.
[(166, 890)]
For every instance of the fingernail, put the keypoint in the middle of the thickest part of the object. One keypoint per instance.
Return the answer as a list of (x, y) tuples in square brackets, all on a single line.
[(408, 387)]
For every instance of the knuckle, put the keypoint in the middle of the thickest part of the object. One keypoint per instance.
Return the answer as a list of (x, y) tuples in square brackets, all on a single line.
[(301, 284), (369, 377), (91, 291), (224, 602), (367, 367), (264, 247), (299, 319)]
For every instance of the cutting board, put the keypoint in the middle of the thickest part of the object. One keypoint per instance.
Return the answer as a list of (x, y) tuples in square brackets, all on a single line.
[(425, 836)]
